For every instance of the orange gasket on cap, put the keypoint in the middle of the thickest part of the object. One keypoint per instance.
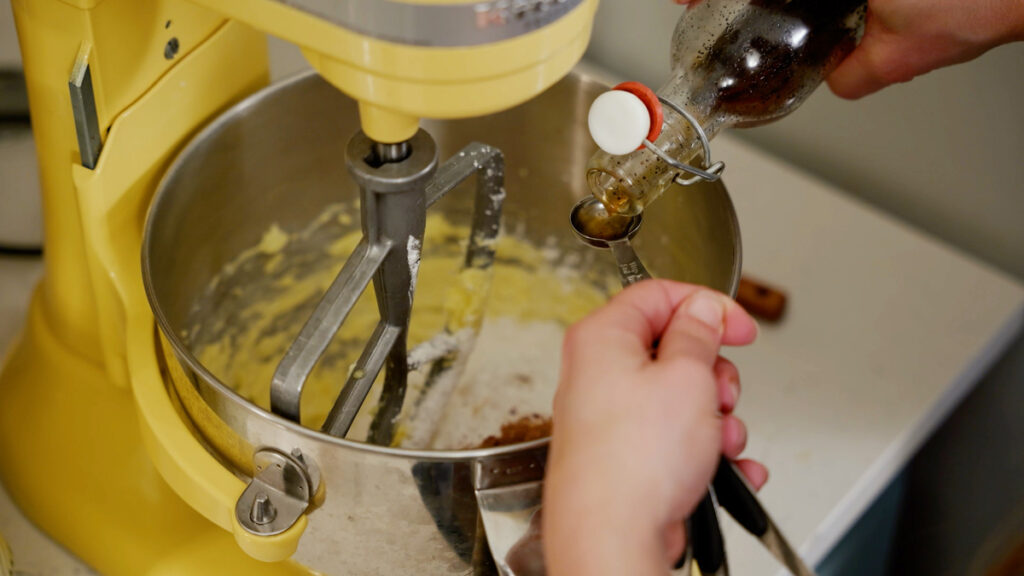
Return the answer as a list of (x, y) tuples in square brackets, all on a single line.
[(651, 102)]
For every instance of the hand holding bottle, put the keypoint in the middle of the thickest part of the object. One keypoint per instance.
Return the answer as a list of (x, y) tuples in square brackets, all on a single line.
[(904, 39)]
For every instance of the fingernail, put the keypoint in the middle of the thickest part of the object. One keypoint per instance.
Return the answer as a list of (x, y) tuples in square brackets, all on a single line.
[(707, 308), (734, 388)]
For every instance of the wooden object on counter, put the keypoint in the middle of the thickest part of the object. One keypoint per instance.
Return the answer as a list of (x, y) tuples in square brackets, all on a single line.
[(1012, 564), (761, 300)]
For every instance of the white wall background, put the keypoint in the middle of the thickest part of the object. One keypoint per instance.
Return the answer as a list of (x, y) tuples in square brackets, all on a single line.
[(8, 39), (944, 152)]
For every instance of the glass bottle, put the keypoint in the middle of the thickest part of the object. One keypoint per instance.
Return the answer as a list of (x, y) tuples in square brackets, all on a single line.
[(736, 63)]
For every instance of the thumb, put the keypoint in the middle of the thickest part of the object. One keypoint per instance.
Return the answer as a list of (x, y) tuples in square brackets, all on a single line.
[(857, 75), (873, 65), (695, 330)]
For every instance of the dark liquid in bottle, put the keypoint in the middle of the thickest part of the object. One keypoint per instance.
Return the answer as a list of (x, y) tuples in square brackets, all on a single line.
[(774, 54)]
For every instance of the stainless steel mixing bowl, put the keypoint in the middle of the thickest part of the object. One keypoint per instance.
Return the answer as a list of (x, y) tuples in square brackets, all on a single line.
[(278, 158)]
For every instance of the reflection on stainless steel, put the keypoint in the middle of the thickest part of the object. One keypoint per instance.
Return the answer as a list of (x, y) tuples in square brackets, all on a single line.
[(504, 512), (384, 510), (739, 498), (385, 153), (776, 543)]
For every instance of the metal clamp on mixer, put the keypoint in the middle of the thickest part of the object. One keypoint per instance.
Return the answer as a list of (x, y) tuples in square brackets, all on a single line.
[(282, 488)]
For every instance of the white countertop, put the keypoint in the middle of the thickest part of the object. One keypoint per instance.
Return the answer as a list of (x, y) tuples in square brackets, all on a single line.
[(886, 331)]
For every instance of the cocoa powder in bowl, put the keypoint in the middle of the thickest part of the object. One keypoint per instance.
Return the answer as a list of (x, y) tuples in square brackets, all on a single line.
[(524, 429)]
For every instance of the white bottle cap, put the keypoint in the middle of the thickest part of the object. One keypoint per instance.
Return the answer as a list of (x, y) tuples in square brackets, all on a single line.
[(619, 122)]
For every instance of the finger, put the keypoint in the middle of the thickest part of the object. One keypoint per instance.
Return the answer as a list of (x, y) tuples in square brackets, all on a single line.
[(675, 542), (877, 62), (703, 322), (755, 472), (734, 437), (727, 376), (628, 325), (857, 76)]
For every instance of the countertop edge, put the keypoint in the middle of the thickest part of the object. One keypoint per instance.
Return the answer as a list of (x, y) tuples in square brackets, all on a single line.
[(902, 449)]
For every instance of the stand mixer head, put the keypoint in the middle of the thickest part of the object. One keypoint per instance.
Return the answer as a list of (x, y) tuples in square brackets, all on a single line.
[(441, 59)]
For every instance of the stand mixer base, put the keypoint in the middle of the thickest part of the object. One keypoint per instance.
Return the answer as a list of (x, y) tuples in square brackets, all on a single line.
[(74, 462)]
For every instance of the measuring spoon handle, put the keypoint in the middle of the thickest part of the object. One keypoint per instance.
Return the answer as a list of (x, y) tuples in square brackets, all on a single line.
[(631, 269)]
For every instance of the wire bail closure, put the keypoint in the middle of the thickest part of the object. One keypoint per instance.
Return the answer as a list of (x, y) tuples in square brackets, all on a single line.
[(708, 173)]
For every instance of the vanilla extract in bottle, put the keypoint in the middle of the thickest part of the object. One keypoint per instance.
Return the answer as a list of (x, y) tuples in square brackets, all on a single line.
[(736, 63)]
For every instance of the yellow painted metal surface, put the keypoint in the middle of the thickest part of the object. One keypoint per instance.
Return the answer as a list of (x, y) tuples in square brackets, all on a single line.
[(114, 199), (75, 461), (404, 82), (126, 41), (75, 465), (6, 563), (50, 34)]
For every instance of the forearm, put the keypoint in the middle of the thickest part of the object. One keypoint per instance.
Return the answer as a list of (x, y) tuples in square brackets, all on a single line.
[(1015, 21), (984, 24)]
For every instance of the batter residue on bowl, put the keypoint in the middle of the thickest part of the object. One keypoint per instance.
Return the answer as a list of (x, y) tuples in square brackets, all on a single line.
[(254, 308)]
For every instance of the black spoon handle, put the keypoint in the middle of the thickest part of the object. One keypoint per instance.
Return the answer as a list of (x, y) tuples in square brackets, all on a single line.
[(739, 501), (708, 546)]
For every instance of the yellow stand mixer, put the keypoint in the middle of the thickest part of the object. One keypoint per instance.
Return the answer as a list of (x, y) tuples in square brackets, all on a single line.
[(95, 452)]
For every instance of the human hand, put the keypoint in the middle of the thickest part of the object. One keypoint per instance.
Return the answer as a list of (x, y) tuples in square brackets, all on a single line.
[(906, 38), (642, 416)]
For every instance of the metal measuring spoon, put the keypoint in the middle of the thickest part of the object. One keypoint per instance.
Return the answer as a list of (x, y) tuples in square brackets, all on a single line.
[(594, 225)]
